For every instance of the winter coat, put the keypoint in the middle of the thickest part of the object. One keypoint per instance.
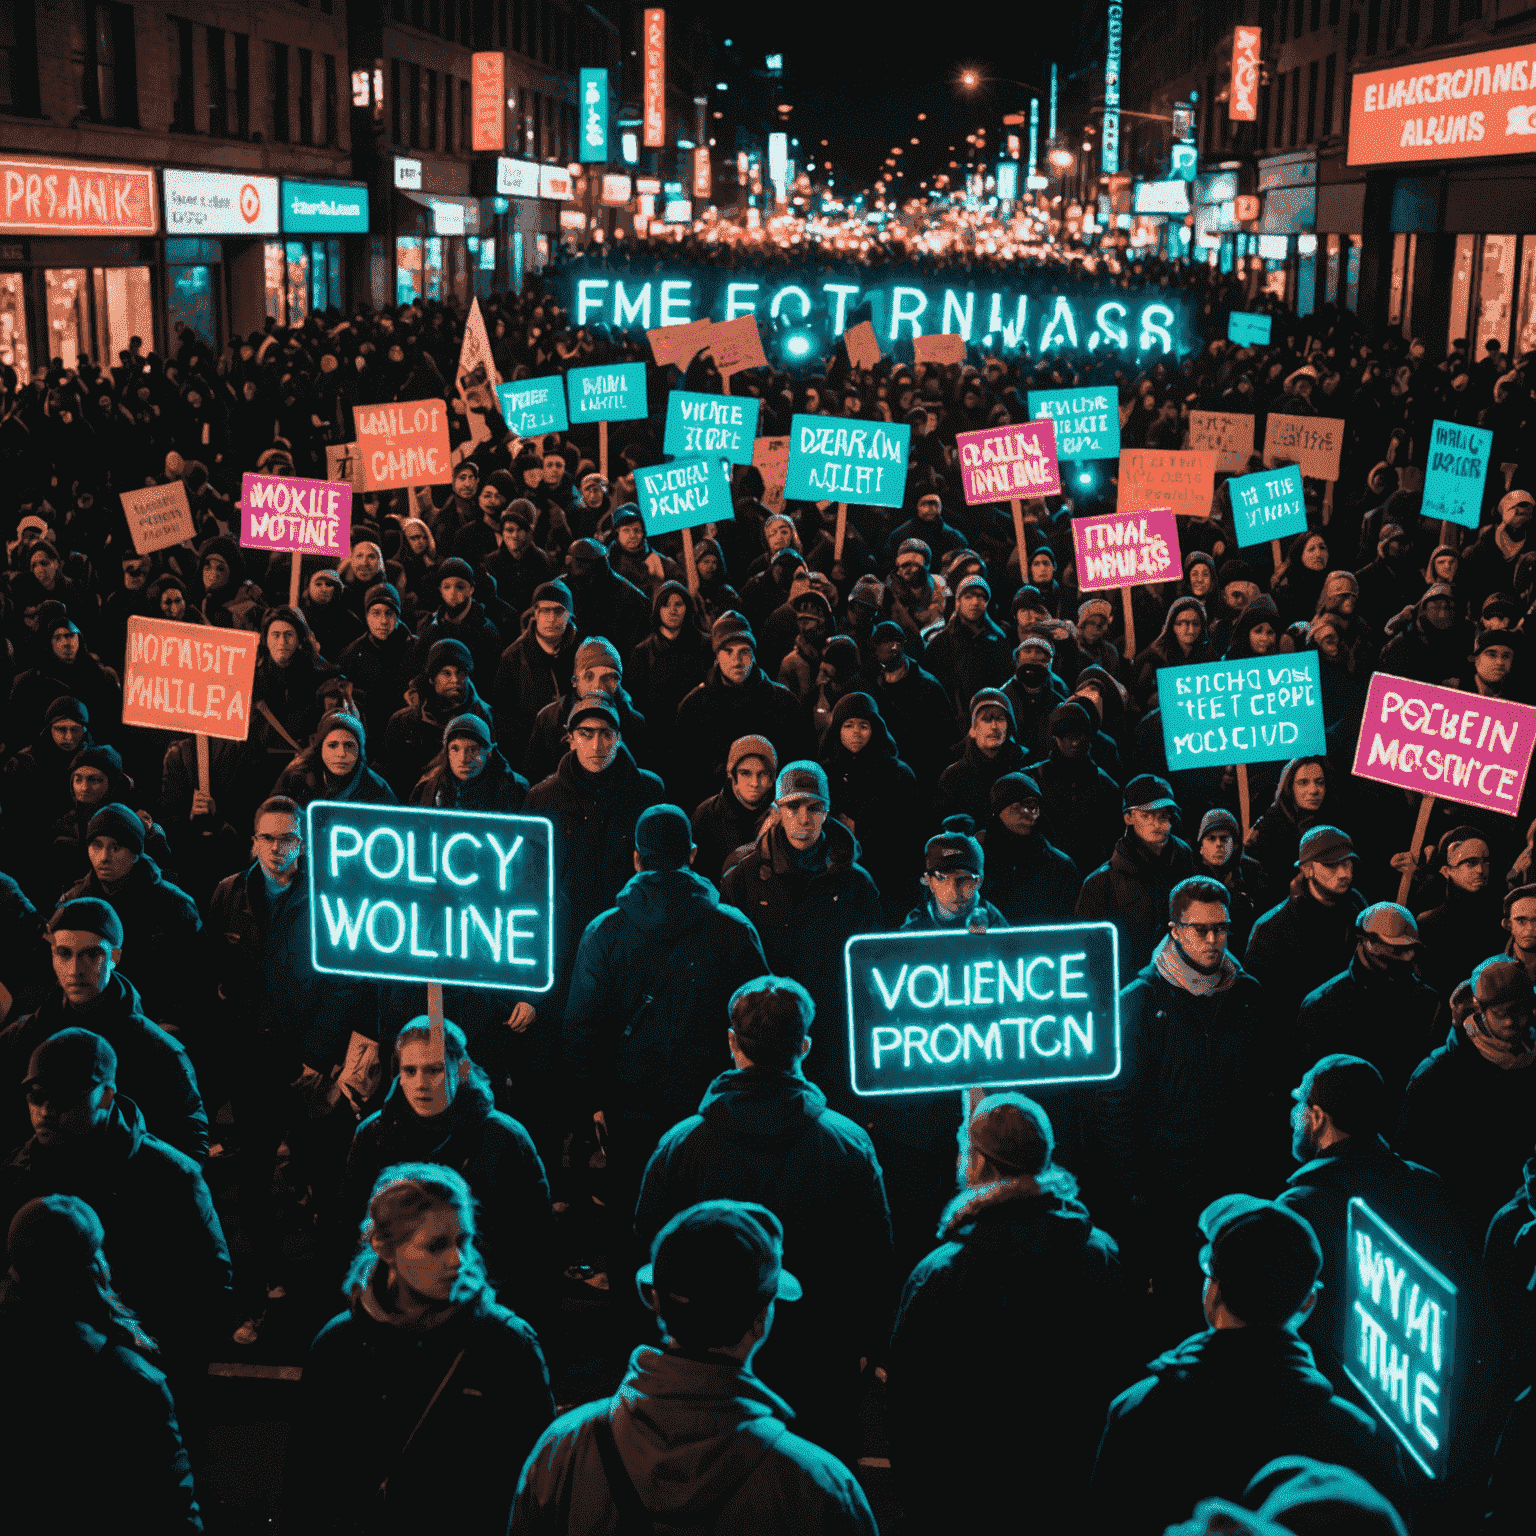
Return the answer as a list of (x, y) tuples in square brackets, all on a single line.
[(474, 631), (86, 679), (608, 605), (1032, 711), (715, 713), (546, 742), (1457, 934), (721, 825), (380, 674), (967, 657), (921, 720), (290, 693), (1030, 879), (1246, 891), (517, 578), (1276, 836), (414, 736), (965, 787), (661, 673), (1084, 804), (497, 788), (528, 678), (1131, 891), (1297, 946), (1509, 1256), (70, 859), (306, 778)]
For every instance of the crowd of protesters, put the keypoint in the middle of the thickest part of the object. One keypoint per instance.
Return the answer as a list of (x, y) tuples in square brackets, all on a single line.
[(913, 730)]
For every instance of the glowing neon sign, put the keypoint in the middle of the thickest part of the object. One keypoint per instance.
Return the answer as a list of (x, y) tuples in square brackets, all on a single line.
[(402, 893), (931, 1011)]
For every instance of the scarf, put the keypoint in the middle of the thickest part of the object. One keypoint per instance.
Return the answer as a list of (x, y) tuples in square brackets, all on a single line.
[(1178, 972), (1496, 1051)]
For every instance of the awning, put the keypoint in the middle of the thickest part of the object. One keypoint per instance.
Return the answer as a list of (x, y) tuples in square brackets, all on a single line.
[(434, 200)]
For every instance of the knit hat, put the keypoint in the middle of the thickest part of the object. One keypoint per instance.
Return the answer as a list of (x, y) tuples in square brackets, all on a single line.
[(89, 914), (448, 653), (594, 704), (914, 547), (1071, 719), (954, 851), (752, 746), (802, 780), (1028, 600), (888, 629), (585, 552), (71, 1062), (1510, 639), (629, 513), (1013, 1133), (471, 726), (505, 485), (663, 837), (117, 821), (552, 592), (341, 720), (107, 759), (597, 650), (1235, 570), (1045, 650), (1010, 789), (812, 602), (868, 592), (520, 511), (1084, 609), (385, 594), (454, 567), (993, 698), (1217, 821), (974, 581), (729, 629)]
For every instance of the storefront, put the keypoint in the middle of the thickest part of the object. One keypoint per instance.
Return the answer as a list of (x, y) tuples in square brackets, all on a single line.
[(305, 270), (1288, 218), (435, 232)]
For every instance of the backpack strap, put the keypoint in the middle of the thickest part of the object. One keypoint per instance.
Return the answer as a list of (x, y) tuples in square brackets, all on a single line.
[(633, 1517)]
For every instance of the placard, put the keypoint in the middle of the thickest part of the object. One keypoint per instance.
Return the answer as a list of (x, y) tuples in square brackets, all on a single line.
[(723, 426), (533, 406), (189, 677), (932, 1011), (862, 348), (309, 517), (677, 345), (684, 494), (1312, 442), (1087, 420), (488, 101), (1009, 463), (771, 456), (1262, 709), (403, 893), (736, 345), (615, 392), (1125, 549), (344, 462), (1245, 330), (1268, 505), (1227, 434), (830, 460), (158, 516), (404, 444), (1457, 470), (1441, 741), (945, 351), (1181, 479)]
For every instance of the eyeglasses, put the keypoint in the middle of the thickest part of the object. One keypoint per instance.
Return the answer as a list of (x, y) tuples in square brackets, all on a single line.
[(282, 840), (1206, 930)]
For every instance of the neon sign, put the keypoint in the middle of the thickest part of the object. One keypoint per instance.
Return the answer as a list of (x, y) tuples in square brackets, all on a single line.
[(931, 1011), (402, 893)]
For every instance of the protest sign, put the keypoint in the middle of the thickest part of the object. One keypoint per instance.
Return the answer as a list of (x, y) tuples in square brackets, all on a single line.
[(404, 444), (1245, 330), (189, 677), (1453, 480), (677, 345), (736, 345), (1009, 462), (931, 1011), (1181, 479), (344, 462), (533, 406), (1087, 420), (684, 494), (1311, 442), (1227, 434), (477, 375), (308, 517), (723, 426), (1260, 709), (1268, 505), (865, 463), (771, 457), (1400, 1336), (942, 350), (158, 516), (403, 893), (1125, 549), (613, 393), (863, 350)]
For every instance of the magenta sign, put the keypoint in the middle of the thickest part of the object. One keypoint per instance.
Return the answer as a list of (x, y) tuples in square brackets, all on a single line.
[(1441, 741), (1125, 549), (1009, 463), (309, 517)]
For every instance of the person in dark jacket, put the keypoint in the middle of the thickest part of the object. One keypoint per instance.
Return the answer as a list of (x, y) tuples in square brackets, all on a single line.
[(914, 705), (673, 659), (335, 766), (1029, 878), (598, 669), (954, 871), (1304, 798), (426, 1392), (1015, 1246), (732, 818), (62, 668), (96, 778), (536, 668), (38, 776), (459, 617), (1081, 800), (379, 662), (470, 774), (1184, 642), (1509, 1258), (415, 734), (1035, 691), (286, 699), (972, 651), (1218, 853), (518, 565), (1489, 566), (1464, 927), (990, 750), (1432, 647), (606, 604), (1227, 1401)]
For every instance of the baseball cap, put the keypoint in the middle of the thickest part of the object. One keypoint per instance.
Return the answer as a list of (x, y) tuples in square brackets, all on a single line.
[(663, 836), (1499, 982), (1514, 499), (1349, 1090), (71, 1063), (594, 704), (802, 780), (88, 914), (1266, 1257), (1325, 845), (1391, 924), (1147, 792), (954, 851)]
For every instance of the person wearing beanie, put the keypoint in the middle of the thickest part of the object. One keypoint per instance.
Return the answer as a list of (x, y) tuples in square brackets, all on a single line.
[(632, 556), (1015, 1245), (1456, 932), (1029, 878), (669, 663), (60, 666), (96, 778), (460, 616), (913, 703), (1496, 670), (379, 661), (927, 526), (544, 480), (606, 603), (1218, 854), (954, 870), (1489, 566), (990, 751), (1255, 631), (1298, 1494), (916, 592), (1432, 645), (537, 667), (799, 671), (1392, 579), (479, 535), (331, 621), (335, 766), (1080, 801), (732, 817), (517, 564), (597, 669), (1034, 690), (288, 672), (972, 651), (414, 735), (470, 773)]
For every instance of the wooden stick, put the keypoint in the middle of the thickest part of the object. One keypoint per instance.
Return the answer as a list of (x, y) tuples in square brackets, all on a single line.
[(1420, 827), (602, 449), (842, 531), (690, 564), (202, 763), (1274, 545), (1130, 624), (293, 581), (1016, 507), (1327, 502), (1243, 804), (435, 1018), (1445, 531)]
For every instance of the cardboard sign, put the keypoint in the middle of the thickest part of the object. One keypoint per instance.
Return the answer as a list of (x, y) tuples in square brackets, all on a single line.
[(403, 444), (1181, 479), (1263, 709), (865, 463), (309, 517), (677, 345), (1246, 330), (1441, 741), (736, 345), (1009, 463), (1268, 505), (859, 341), (931, 1011), (720, 425), (533, 406), (1312, 442), (613, 393), (402, 893), (1087, 420), (943, 350), (344, 462), (1125, 549), (684, 494), (1458, 468), (158, 516), (1399, 1336), (189, 677), (771, 456), (1227, 434)]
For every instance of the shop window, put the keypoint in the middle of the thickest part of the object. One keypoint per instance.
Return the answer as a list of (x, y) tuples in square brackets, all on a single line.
[(111, 90), (1495, 294), (297, 253), (95, 313), (68, 315), (1352, 276), (1525, 340), (432, 269), (18, 58), (407, 269), (189, 301), (1461, 287), (218, 105), (325, 274), (1400, 292), (13, 324)]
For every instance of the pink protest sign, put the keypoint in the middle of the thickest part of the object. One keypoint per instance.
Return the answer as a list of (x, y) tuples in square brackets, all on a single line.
[(1441, 741), (1009, 463), (1125, 549), (309, 517)]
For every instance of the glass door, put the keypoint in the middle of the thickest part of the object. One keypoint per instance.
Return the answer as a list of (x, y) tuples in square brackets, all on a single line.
[(13, 324)]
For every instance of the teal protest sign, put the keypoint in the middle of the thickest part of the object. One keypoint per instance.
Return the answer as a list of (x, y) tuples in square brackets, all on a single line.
[(720, 425), (532, 406), (1268, 505), (1454, 476), (864, 462), (1087, 420), (1259, 710), (684, 494), (1246, 330), (612, 393), (403, 893)]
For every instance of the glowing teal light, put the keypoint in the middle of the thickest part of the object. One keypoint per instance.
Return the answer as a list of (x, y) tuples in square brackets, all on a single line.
[(1085, 478), (798, 345)]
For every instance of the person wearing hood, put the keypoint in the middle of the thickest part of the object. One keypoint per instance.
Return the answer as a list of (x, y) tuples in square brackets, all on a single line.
[(1218, 854), (518, 566), (1042, 577), (39, 775), (470, 773), (1029, 878), (426, 1391), (814, 624), (928, 525), (1081, 800), (913, 704), (537, 667), (768, 589), (167, 599), (331, 621), (597, 670), (954, 870), (672, 660), (693, 1437), (481, 535), (971, 652), (1108, 703), (230, 599), (62, 668), (284, 698), (1358, 643), (1095, 618), (1391, 582), (631, 556), (1464, 927), (1304, 798), (335, 766), (990, 750), (1035, 691), (1183, 642), (460, 617), (1430, 647), (96, 778), (414, 735), (1016, 1245), (1199, 576), (1255, 631), (1489, 566), (1299, 581), (379, 661), (1237, 584), (605, 603)]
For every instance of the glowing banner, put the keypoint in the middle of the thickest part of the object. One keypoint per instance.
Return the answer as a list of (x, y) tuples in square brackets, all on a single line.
[(158, 516), (1400, 1336), (770, 455), (1227, 434), (865, 464), (1125, 549), (189, 677), (1268, 505), (532, 406), (1181, 479), (1087, 420), (654, 87), (684, 494), (1441, 741), (402, 893), (1109, 147), (1262, 710), (308, 517), (1243, 99), (1314, 443), (593, 148), (1247, 330), (488, 99), (615, 392), (1009, 463), (403, 445), (1453, 480), (721, 426), (930, 1011)]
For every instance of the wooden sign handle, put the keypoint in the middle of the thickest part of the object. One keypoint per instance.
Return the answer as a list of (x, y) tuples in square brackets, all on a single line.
[(1445, 531), (1274, 545), (294, 572), (1244, 806), (1327, 502), (435, 1018), (602, 449), (1130, 624), (690, 564), (1420, 827), (202, 763), (842, 531), (1017, 508)]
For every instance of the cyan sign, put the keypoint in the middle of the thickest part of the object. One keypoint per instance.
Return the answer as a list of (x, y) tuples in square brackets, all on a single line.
[(1268, 505), (864, 462), (594, 117), (1454, 476), (720, 425), (1245, 330), (615, 392), (324, 208), (532, 406), (401, 893), (684, 494), (1259, 710), (935, 1010), (1087, 420)]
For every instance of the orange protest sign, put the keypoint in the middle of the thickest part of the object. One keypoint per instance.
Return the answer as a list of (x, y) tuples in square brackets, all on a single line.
[(1312, 443), (403, 444), (158, 516), (863, 349), (678, 344), (737, 345), (189, 677), (942, 350), (1181, 479)]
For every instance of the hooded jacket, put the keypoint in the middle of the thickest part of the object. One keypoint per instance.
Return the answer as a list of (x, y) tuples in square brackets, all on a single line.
[(660, 672), (1261, 610), (238, 603), (380, 674), (414, 735), (968, 657), (1276, 836), (1297, 946), (38, 776), (721, 825), (1165, 651), (473, 630), (307, 778), (496, 788), (1510, 1257), (965, 787), (49, 679), (715, 713), (607, 604), (1131, 891), (1083, 803), (528, 678)]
